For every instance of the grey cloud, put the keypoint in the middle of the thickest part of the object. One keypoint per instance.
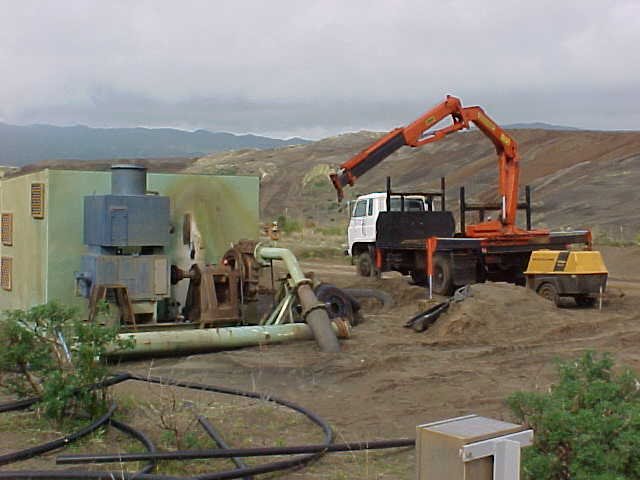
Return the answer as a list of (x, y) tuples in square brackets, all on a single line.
[(316, 68)]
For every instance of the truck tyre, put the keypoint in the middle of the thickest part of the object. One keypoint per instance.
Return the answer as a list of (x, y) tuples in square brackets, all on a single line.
[(442, 278), (585, 301), (549, 291), (419, 277), (364, 265)]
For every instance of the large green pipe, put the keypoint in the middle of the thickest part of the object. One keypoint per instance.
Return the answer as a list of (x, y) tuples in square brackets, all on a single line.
[(210, 339), (314, 312), (263, 254)]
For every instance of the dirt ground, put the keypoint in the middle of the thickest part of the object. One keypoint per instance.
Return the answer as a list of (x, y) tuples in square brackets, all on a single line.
[(388, 379)]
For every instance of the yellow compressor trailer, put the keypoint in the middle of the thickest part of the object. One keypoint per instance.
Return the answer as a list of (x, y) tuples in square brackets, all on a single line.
[(554, 274)]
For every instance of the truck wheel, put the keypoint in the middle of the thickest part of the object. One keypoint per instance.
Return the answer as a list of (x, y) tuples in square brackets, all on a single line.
[(419, 277), (585, 301), (550, 292), (364, 265), (442, 278)]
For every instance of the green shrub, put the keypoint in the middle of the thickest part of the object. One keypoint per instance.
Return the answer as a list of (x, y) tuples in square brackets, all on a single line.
[(289, 225), (587, 426), (47, 351)]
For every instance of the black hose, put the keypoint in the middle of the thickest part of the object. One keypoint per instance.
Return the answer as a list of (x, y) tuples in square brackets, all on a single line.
[(142, 438), (81, 475), (234, 452), (28, 402), (309, 452), (385, 298), (18, 405), (217, 438), (266, 468), (28, 453)]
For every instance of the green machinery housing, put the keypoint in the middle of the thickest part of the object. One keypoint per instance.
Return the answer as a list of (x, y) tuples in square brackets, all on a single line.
[(43, 227)]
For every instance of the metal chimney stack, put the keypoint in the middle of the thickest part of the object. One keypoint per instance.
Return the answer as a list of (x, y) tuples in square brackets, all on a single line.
[(128, 180)]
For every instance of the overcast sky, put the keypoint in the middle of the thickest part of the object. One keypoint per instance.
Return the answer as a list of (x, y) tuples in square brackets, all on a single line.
[(316, 68)]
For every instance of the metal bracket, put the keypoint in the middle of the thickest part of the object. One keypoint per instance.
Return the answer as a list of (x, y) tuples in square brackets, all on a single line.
[(505, 451)]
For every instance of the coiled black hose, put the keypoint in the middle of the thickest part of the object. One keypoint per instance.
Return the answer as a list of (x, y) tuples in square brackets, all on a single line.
[(260, 469), (141, 437), (309, 453), (234, 452), (220, 442), (237, 473), (28, 453)]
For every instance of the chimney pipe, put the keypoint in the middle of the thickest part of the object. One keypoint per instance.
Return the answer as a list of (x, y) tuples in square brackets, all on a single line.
[(128, 180)]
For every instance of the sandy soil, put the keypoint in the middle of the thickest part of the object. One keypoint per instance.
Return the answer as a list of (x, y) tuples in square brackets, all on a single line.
[(388, 379)]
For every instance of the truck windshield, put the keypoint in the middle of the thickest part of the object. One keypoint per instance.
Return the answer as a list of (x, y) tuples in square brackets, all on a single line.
[(410, 205), (361, 208)]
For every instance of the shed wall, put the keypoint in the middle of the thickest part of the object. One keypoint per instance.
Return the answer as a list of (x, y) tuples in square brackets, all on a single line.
[(47, 252), (28, 251)]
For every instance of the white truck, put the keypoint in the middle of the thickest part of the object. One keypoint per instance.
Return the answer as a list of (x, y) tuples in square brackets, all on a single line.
[(361, 234)]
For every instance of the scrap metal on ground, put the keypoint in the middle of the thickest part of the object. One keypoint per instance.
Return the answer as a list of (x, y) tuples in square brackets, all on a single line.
[(424, 320)]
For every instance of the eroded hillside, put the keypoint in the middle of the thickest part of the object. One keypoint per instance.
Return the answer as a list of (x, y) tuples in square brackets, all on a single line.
[(578, 178)]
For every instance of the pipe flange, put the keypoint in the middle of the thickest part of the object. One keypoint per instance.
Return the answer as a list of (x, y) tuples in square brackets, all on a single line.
[(316, 306), (343, 327)]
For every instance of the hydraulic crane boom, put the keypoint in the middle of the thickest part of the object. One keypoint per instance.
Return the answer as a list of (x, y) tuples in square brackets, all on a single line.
[(417, 134)]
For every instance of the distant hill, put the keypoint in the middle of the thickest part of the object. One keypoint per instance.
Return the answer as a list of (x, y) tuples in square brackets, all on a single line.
[(579, 179), (20, 145), (5, 170), (540, 126)]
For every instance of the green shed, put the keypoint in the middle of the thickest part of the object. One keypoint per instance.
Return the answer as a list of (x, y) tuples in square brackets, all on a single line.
[(42, 226)]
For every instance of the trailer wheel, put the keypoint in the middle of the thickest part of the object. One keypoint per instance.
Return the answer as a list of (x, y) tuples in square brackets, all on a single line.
[(364, 265), (550, 292), (442, 278), (585, 301)]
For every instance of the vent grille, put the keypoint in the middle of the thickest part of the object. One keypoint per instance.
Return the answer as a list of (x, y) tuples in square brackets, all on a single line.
[(6, 267), (6, 229), (37, 200)]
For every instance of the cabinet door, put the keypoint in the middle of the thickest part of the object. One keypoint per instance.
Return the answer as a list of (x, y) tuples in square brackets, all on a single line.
[(119, 226)]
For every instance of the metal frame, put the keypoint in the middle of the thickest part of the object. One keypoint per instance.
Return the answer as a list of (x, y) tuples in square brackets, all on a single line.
[(428, 195), (482, 208), (505, 451)]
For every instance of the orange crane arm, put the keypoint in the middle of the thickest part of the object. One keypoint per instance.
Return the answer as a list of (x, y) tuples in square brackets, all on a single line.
[(417, 134)]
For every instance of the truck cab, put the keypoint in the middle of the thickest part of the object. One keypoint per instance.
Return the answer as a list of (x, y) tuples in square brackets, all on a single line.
[(361, 234)]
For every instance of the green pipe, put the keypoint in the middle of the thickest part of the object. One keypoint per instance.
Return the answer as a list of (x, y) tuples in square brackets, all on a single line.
[(263, 254), (314, 312), (210, 339)]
